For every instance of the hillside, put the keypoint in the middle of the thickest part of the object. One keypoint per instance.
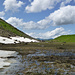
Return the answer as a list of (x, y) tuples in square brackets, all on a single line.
[(7, 30), (65, 38)]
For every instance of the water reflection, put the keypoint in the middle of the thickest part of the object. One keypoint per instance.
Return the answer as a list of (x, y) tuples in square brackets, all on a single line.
[(32, 64)]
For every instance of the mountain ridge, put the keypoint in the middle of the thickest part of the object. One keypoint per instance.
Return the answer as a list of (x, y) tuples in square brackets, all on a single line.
[(7, 30)]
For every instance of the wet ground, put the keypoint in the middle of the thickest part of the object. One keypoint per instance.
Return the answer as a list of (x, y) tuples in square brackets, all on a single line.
[(41, 62), (49, 62), (40, 59)]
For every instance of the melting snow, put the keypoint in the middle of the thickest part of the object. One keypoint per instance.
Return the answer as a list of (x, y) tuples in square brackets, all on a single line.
[(17, 39), (2, 59), (6, 53), (9, 66), (22, 39), (3, 63), (6, 40)]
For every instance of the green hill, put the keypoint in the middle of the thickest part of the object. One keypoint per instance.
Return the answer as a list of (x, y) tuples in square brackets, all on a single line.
[(65, 38), (8, 30)]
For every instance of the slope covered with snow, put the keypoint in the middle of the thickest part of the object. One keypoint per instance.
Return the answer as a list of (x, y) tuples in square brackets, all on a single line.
[(17, 39), (22, 39)]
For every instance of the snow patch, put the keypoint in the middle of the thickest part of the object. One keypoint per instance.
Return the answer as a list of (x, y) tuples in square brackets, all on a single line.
[(3, 63), (7, 40), (17, 39), (10, 66), (22, 39), (3, 55)]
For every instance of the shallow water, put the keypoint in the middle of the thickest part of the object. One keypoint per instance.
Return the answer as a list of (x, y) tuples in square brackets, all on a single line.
[(18, 63), (10, 62), (33, 65), (51, 52)]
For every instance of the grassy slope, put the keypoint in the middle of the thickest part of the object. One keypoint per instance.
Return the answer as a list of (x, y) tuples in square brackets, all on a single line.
[(65, 38), (7, 29)]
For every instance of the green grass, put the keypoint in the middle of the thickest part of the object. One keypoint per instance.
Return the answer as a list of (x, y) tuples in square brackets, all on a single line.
[(65, 38), (10, 29)]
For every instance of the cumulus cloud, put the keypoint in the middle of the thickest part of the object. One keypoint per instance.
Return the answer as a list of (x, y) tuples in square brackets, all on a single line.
[(32, 25), (62, 16), (51, 34), (12, 5), (39, 5), (2, 14), (16, 22)]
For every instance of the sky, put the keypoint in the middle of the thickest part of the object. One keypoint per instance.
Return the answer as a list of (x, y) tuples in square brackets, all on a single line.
[(43, 19)]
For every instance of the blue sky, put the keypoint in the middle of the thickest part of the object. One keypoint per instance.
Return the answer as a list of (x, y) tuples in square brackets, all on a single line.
[(40, 18)]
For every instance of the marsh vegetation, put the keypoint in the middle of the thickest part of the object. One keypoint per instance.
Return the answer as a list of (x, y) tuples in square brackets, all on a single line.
[(45, 58)]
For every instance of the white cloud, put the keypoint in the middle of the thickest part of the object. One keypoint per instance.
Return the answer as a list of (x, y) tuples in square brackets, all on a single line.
[(62, 16), (24, 25), (39, 5), (15, 21), (12, 5), (51, 34), (32, 25), (2, 14), (65, 2)]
